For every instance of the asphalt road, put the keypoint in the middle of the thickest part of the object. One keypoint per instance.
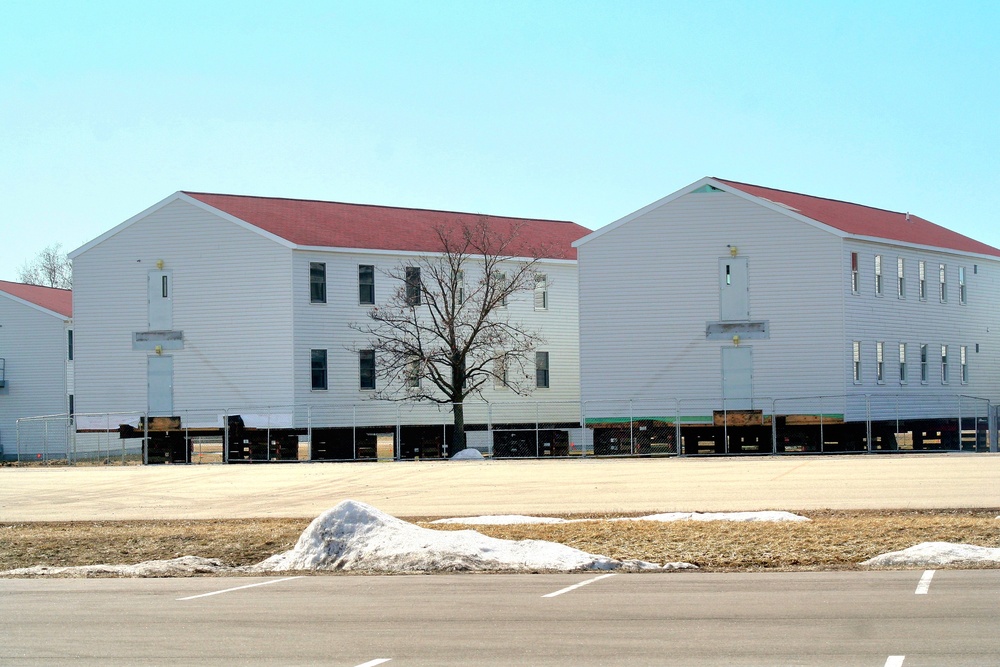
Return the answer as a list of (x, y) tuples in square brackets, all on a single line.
[(849, 618), (464, 488)]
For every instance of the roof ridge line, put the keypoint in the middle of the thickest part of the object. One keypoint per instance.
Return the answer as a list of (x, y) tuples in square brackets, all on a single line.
[(398, 208), (831, 199)]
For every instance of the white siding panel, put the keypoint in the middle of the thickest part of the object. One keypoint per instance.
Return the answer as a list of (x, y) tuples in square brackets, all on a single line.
[(649, 288), (231, 298), (33, 345)]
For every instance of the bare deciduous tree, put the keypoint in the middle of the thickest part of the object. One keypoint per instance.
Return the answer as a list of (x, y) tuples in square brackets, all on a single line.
[(446, 333), (49, 268)]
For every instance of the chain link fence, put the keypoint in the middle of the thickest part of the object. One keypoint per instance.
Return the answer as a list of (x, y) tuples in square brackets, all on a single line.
[(384, 430)]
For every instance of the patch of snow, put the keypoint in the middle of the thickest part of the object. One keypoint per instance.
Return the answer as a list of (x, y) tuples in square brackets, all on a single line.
[(469, 454), (508, 519), (501, 520), (929, 554), (175, 567), (356, 536)]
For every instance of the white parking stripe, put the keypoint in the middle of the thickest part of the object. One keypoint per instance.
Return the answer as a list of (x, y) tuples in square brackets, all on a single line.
[(925, 583), (895, 661), (238, 588), (372, 663), (582, 583)]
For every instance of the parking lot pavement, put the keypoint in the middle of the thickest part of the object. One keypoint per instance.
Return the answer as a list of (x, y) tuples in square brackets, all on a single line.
[(450, 488), (842, 618)]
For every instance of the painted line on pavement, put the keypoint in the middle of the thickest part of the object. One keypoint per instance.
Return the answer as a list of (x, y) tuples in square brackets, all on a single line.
[(925, 583), (238, 588), (372, 663), (582, 583), (895, 661)]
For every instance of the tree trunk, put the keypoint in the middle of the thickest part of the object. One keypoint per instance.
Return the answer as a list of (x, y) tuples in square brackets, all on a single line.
[(458, 443)]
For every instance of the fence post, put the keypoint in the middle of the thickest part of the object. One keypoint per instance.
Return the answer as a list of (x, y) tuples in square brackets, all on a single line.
[(309, 430), (225, 436), (537, 435), (991, 420), (960, 422), (774, 427), (677, 428), (354, 433), (868, 421)]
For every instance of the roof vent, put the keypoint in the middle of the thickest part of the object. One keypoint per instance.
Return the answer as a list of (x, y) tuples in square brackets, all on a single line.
[(908, 216)]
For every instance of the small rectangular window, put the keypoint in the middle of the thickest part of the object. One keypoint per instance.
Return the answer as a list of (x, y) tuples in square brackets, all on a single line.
[(317, 282), (963, 359), (500, 373), (319, 369), (857, 361), (880, 362), (961, 285), (165, 287), (923, 364), (413, 373), (542, 370), (366, 284), (413, 286), (459, 287), (944, 364), (902, 363), (922, 280), (541, 292), (500, 287), (69, 345), (855, 280), (943, 282), (366, 363), (900, 278), (878, 275)]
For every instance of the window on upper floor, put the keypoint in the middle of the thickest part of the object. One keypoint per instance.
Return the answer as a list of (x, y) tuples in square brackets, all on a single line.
[(878, 275), (961, 285), (69, 345), (366, 284), (542, 370), (413, 285), (318, 368), (922, 280), (541, 292), (366, 372), (500, 278), (943, 282), (900, 278), (317, 282), (855, 278)]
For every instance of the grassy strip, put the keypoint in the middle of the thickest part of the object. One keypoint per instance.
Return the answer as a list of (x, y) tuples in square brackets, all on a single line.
[(832, 540)]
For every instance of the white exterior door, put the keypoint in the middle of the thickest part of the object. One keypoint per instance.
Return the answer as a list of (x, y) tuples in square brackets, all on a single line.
[(737, 378), (161, 298), (160, 375), (734, 291)]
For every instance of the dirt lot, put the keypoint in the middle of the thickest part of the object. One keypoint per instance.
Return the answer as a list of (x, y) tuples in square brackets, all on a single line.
[(832, 540)]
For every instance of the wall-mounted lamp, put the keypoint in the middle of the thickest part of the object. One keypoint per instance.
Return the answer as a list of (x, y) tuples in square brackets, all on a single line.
[(733, 250), (159, 263), (736, 340), (158, 349)]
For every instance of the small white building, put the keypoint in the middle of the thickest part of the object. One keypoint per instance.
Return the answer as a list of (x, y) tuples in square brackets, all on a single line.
[(207, 306), (36, 369), (763, 320)]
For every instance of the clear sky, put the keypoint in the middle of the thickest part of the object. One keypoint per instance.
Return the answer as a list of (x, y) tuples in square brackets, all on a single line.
[(582, 111)]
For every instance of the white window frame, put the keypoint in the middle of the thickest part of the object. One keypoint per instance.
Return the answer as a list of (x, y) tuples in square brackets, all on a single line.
[(924, 367), (961, 286), (316, 268), (855, 278), (541, 292), (856, 349), (880, 362), (943, 282), (944, 364), (963, 359), (901, 277), (361, 378), (922, 280), (902, 363), (878, 275), (361, 301), (543, 367)]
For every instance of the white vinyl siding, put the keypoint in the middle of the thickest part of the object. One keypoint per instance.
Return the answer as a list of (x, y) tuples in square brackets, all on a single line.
[(237, 347)]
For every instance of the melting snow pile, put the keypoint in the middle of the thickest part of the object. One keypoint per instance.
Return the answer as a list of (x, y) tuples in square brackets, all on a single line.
[(937, 554), (175, 567), (468, 455), (356, 536), (506, 519)]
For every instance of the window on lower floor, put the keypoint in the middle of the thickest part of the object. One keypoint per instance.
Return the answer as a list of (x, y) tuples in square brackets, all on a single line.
[(923, 364), (902, 363), (856, 345), (319, 369), (880, 362), (542, 370), (963, 359), (413, 373), (366, 373), (944, 364)]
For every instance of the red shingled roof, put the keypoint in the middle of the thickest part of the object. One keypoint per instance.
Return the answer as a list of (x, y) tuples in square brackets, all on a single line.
[(50, 298), (867, 221), (337, 225)]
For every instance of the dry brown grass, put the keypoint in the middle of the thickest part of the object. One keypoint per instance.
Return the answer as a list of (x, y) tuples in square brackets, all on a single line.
[(832, 540)]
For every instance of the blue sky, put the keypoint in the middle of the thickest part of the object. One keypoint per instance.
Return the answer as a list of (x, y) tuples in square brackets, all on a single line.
[(582, 111)]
